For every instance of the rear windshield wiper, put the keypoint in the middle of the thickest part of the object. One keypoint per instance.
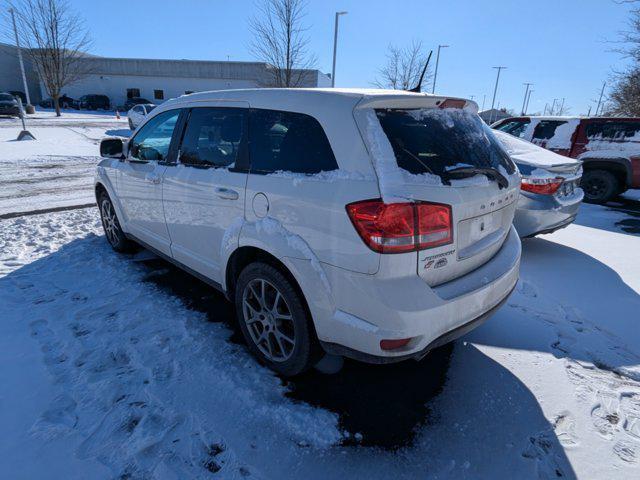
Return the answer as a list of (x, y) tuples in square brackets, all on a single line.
[(417, 159), (489, 172)]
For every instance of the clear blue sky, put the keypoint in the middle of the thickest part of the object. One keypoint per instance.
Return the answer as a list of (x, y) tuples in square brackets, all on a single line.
[(560, 45)]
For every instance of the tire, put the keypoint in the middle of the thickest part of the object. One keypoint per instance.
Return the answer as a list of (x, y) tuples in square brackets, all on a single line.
[(285, 342), (599, 186), (131, 127), (111, 225)]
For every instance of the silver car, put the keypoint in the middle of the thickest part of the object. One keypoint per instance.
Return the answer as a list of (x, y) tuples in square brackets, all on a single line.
[(550, 193)]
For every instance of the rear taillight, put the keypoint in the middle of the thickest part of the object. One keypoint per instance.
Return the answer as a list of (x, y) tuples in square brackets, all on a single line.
[(543, 186), (401, 227)]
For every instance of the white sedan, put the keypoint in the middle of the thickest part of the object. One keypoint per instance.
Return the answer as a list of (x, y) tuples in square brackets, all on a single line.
[(137, 114)]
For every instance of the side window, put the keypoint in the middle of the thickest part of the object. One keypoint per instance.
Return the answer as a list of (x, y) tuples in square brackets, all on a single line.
[(214, 137), (137, 109), (546, 129), (288, 141), (514, 127), (154, 138), (612, 130)]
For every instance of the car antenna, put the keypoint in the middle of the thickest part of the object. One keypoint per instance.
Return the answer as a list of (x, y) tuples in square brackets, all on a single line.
[(418, 88)]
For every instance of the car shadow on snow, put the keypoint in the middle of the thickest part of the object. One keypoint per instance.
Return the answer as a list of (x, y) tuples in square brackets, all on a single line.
[(599, 216)]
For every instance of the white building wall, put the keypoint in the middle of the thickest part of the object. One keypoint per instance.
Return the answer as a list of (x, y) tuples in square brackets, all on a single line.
[(115, 86)]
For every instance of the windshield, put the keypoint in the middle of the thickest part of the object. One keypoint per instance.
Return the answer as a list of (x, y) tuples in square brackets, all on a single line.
[(5, 97), (439, 140)]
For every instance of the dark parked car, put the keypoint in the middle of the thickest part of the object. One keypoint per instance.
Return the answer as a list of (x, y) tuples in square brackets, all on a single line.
[(131, 102), (65, 102), (9, 105), (94, 102), (20, 95), (608, 147)]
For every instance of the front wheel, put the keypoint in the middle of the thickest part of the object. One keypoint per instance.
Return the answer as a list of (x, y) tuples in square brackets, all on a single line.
[(112, 230), (274, 321), (599, 186)]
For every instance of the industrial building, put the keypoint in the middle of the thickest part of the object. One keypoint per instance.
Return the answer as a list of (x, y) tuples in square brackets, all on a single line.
[(155, 80)]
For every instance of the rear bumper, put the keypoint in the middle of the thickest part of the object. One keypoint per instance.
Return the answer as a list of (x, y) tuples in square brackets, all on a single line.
[(538, 214), (369, 309)]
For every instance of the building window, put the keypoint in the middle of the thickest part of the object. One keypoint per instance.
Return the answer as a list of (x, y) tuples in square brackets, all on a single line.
[(158, 94), (133, 92)]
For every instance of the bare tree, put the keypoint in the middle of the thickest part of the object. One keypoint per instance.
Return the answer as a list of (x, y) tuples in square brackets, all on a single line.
[(55, 40), (624, 96), (403, 68), (280, 41)]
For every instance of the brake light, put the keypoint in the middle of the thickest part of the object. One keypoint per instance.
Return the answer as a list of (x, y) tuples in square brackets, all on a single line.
[(542, 186), (401, 227), (453, 103)]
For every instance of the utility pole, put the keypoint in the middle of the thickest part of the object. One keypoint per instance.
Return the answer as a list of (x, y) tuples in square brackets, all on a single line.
[(495, 89), (435, 75), (526, 94), (484, 97), (562, 107), (553, 106), (526, 108), (546, 105), (335, 48), (589, 111), (24, 76), (604, 84)]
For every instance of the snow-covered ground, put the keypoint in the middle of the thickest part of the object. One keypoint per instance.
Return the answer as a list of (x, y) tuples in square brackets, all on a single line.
[(55, 170), (121, 366)]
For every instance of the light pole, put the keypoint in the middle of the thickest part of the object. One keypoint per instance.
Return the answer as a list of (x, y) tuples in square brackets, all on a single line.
[(24, 76), (526, 94), (335, 48), (495, 90), (526, 108), (553, 107), (604, 84), (484, 97), (435, 75)]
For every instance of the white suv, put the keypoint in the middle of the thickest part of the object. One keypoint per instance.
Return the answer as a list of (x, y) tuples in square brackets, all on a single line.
[(366, 223)]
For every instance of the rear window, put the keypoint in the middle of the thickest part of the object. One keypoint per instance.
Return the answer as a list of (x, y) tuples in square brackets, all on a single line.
[(435, 140)]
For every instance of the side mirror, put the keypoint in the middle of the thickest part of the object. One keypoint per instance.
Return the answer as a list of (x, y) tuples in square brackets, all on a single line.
[(112, 148)]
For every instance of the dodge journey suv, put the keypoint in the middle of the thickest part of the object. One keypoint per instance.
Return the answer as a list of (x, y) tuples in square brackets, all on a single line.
[(370, 224)]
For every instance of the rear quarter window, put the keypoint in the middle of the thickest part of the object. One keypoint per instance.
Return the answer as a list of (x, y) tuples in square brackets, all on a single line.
[(613, 131), (288, 141)]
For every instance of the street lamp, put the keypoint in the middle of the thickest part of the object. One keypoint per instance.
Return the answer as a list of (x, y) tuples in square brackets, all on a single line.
[(335, 48), (495, 90), (435, 75), (526, 107), (526, 94), (24, 77)]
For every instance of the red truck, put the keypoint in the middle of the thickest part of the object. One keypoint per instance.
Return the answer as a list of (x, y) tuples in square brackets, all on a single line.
[(608, 147)]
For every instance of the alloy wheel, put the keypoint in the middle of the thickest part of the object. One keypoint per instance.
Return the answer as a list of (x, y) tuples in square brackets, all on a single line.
[(109, 222), (268, 320)]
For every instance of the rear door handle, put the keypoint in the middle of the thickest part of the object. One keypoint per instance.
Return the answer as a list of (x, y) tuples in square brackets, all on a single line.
[(226, 193)]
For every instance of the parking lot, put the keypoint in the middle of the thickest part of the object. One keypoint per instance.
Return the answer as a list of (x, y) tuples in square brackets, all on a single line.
[(120, 365)]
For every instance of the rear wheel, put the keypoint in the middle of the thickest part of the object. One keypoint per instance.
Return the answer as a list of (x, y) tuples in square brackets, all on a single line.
[(599, 186), (115, 236), (273, 320)]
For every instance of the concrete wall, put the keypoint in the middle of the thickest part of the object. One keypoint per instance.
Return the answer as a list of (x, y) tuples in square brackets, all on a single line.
[(10, 77)]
